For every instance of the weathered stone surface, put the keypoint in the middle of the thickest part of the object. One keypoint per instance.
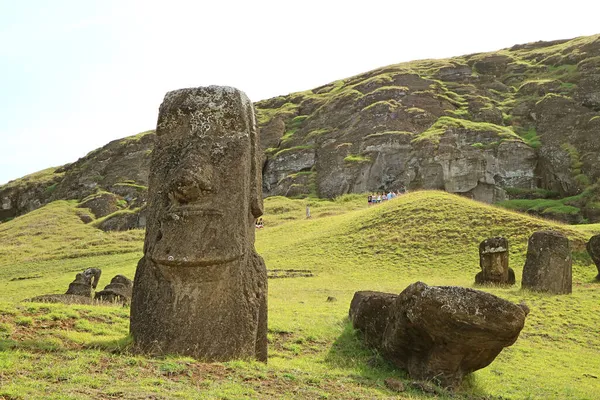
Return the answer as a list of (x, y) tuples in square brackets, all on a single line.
[(438, 333), (593, 249), (117, 291), (369, 313), (126, 220), (548, 267), (493, 261), (201, 289), (85, 282)]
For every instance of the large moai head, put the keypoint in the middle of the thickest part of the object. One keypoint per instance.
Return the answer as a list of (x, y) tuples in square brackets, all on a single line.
[(204, 180), (200, 289)]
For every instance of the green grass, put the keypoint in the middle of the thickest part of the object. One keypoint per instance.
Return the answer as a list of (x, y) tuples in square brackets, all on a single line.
[(78, 352)]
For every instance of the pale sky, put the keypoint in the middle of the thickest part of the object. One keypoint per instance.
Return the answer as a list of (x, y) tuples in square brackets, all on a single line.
[(77, 74)]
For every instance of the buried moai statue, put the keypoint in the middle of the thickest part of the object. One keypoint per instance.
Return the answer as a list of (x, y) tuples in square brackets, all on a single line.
[(593, 248), (493, 260), (201, 289), (548, 266), (85, 282), (117, 291)]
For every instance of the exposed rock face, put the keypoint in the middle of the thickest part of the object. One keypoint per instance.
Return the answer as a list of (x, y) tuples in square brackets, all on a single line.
[(201, 289), (492, 126), (102, 204), (85, 282), (548, 267), (593, 248), (123, 221), (120, 165), (438, 333), (117, 291), (493, 260)]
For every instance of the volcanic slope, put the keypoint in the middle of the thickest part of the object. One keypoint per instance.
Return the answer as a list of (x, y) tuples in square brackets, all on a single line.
[(77, 351)]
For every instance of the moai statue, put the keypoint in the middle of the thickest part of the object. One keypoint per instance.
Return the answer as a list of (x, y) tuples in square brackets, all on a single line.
[(117, 291), (593, 248), (548, 266), (85, 282), (201, 289), (493, 260)]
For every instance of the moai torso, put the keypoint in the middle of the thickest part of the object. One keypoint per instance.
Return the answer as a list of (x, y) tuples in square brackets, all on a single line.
[(200, 289)]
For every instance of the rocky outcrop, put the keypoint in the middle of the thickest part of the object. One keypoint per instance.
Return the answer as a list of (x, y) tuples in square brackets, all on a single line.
[(117, 171), (495, 127), (438, 333)]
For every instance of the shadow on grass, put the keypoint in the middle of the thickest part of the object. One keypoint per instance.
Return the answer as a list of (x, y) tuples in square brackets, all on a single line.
[(369, 368), (349, 352)]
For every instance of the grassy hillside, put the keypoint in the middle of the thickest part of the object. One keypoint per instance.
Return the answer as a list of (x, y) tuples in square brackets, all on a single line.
[(59, 351)]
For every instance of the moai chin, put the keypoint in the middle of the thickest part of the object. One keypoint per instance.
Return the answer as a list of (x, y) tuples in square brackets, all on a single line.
[(201, 289), (493, 260)]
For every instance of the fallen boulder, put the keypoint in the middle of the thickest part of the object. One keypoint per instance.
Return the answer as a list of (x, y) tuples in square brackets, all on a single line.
[(437, 333)]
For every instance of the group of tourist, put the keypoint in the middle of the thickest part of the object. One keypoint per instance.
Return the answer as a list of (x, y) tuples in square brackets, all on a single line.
[(376, 198)]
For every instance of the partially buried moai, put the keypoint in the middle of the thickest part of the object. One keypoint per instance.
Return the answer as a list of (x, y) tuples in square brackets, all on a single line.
[(493, 260), (201, 289), (548, 266), (85, 282), (593, 249)]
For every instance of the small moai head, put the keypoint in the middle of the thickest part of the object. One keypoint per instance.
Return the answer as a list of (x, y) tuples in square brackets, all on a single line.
[(205, 180), (493, 258)]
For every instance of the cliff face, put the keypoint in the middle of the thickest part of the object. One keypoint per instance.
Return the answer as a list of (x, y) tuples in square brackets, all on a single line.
[(518, 123), (520, 126), (120, 169)]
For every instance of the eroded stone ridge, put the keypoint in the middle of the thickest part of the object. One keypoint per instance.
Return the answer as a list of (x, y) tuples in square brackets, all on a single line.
[(438, 333), (548, 266), (201, 289), (493, 260)]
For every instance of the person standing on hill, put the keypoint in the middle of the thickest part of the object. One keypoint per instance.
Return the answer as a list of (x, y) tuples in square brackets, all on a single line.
[(307, 211)]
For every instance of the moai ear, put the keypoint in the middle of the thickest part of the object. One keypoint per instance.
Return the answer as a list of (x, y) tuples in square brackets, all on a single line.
[(256, 200)]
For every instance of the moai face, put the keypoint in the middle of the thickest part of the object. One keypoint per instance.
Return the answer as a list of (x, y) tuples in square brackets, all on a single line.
[(204, 179)]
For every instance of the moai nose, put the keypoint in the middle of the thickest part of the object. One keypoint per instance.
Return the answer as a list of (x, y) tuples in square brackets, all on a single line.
[(190, 185)]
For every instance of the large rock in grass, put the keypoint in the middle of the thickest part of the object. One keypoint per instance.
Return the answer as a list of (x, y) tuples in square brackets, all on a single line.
[(438, 333), (548, 266), (593, 248), (201, 289), (493, 260)]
